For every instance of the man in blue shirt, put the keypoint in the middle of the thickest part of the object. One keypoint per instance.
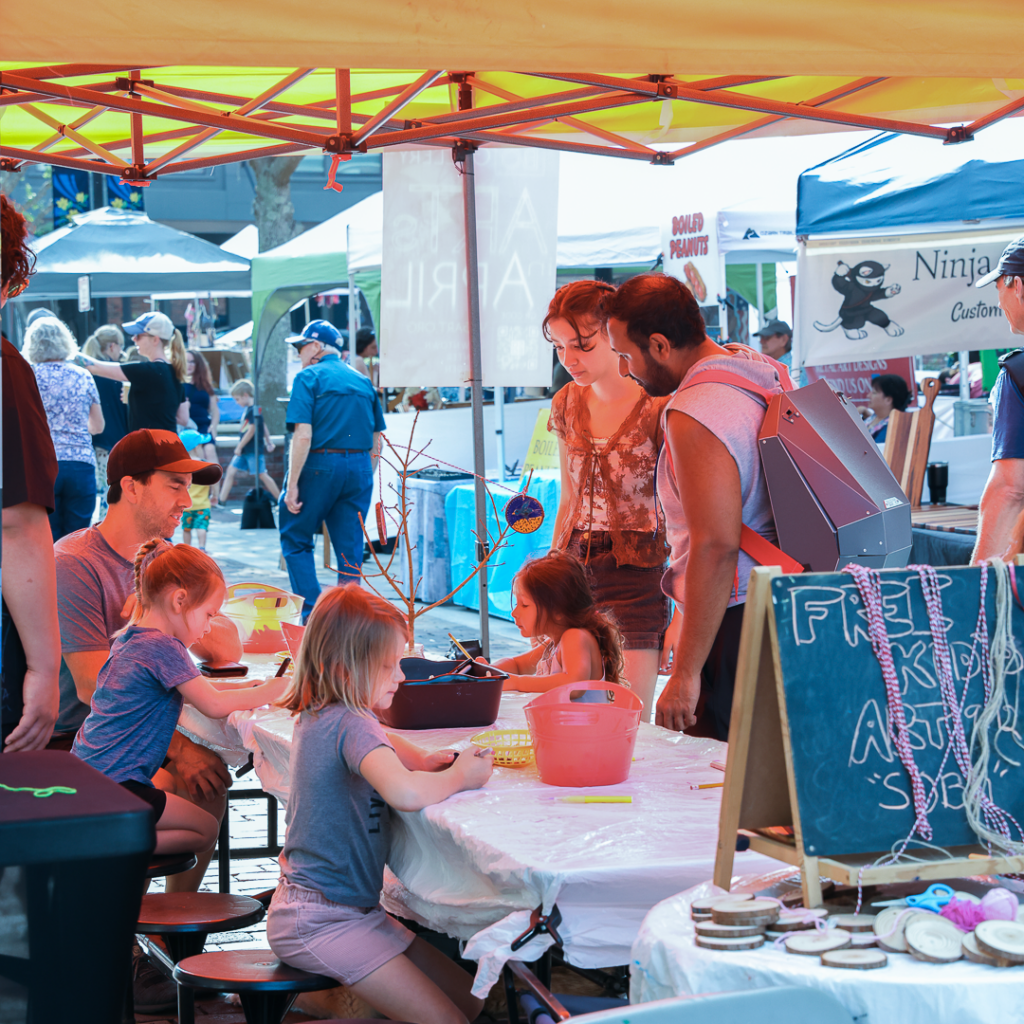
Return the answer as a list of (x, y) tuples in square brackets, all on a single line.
[(337, 421), (1003, 500)]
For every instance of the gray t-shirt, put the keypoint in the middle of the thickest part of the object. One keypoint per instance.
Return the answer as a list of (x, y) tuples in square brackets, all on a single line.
[(734, 416), (339, 828), (93, 583)]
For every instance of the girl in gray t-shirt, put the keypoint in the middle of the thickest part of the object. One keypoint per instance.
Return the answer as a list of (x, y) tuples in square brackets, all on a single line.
[(346, 775)]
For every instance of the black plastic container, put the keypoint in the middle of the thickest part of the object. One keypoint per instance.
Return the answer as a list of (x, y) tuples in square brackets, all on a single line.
[(258, 515), (449, 701), (938, 481)]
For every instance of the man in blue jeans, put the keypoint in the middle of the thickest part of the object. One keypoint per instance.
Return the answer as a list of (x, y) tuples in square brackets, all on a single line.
[(337, 420)]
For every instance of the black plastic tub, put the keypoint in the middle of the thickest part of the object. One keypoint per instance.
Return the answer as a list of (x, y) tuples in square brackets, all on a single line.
[(447, 701)]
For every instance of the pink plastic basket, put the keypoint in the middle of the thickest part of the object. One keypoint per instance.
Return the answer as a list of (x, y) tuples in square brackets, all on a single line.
[(584, 744)]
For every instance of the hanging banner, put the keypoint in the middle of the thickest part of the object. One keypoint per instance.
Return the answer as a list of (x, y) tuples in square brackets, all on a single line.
[(879, 298), (121, 195), (690, 245), (424, 328), (70, 195)]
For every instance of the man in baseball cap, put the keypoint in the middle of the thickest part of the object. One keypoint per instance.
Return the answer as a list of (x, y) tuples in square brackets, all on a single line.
[(776, 340), (1003, 500), (149, 472), (157, 324)]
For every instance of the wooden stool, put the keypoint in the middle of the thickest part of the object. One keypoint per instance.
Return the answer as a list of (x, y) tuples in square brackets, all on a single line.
[(266, 987), (170, 864), (184, 919)]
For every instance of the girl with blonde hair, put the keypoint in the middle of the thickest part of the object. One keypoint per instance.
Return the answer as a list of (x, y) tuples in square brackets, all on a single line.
[(140, 689), (346, 775), (156, 399)]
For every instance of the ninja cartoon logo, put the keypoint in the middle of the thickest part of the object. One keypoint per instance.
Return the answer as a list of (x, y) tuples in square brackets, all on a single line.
[(861, 286)]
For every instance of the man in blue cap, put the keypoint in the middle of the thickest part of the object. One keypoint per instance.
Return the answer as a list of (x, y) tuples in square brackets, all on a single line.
[(1003, 500), (337, 420)]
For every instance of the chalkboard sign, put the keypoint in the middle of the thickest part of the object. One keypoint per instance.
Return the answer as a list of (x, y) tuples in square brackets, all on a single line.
[(812, 776), (853, 791)]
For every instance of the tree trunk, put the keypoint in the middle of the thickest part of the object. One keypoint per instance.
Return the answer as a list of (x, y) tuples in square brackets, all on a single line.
[(275, 220)]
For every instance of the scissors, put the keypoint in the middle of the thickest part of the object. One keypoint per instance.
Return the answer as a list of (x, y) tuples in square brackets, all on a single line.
[(934, 898)]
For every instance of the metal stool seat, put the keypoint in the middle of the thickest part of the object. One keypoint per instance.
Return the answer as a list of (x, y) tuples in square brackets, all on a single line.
[(184, 919), (170, 864), (266, 987)]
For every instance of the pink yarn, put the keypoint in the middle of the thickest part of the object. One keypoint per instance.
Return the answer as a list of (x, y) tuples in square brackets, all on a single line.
[(1000, 905), (995, 905), (963, 913)]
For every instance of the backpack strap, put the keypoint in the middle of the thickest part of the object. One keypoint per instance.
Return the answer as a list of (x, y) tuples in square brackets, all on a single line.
[(762, 551)]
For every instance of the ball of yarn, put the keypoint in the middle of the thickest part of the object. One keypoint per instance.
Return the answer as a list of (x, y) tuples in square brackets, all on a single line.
[(965, 914), (999, 905)]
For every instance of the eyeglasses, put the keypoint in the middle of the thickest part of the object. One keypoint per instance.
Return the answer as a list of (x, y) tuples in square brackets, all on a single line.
[(1008, 280)]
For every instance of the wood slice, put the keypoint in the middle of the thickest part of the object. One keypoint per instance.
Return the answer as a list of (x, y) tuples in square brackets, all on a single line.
[(853, 922), (1020, 914), (705, 903), (750, 912), (1001, 939), (799, 919), (855, 959), (933, 939), (700, 917), (744, 942), (816, 943), (727, 931), (889, 918), (973, 952), (862, 940)]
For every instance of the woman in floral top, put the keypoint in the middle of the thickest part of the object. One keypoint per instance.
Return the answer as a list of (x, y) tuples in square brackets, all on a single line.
[(74, 414), (609, 436)]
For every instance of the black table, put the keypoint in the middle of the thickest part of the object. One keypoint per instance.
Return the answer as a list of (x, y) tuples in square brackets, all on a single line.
[(82, 860)]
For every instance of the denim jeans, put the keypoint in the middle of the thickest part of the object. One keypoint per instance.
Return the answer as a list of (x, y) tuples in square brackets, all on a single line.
[(74, 495), (334, 488)]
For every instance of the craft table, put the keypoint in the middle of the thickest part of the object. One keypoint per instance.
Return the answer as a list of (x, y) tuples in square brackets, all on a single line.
[(483, 856), (667, 963)]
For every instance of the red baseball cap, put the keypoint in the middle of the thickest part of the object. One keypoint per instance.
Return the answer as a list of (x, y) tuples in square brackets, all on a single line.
[(143, 451)]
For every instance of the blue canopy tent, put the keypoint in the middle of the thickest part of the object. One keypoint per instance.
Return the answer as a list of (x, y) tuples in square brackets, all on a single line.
[(927, 222)]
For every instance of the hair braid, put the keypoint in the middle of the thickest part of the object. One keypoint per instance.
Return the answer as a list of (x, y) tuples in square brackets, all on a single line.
[(141, 560)]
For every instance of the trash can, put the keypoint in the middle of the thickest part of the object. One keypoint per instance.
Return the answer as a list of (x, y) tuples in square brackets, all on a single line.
[(428, 532)]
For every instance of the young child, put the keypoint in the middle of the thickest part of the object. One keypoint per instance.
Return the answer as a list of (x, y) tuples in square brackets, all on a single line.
[(347, 774), (140, 689), (576, 640), (246, 458), (203, 495)]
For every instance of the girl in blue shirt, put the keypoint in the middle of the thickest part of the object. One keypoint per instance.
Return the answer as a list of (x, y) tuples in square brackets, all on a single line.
[(140, 689)]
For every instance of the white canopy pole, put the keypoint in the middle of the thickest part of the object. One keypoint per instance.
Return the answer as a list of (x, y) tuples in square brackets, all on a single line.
[(476, 376), (351, 295)]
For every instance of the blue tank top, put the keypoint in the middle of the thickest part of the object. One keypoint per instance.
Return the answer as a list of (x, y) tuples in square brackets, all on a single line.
[(199, 408)]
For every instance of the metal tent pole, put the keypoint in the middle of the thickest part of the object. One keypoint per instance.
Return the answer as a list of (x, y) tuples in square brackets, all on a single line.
[(476, 382), (352, 320)]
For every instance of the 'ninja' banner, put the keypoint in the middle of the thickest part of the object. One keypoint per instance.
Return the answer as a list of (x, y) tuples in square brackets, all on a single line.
[(863, 298)]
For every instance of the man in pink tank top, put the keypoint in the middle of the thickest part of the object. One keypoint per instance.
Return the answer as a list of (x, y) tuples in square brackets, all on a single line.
[(710, 483)]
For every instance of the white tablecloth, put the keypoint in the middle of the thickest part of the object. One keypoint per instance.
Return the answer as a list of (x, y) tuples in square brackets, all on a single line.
[(465, 864), (666, 963)]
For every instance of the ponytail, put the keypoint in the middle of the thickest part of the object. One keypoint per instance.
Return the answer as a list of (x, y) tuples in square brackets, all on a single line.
[(178, 361), (160, 566)]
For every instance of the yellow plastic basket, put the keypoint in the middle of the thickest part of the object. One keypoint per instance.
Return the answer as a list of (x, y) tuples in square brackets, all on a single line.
[(513, 748)]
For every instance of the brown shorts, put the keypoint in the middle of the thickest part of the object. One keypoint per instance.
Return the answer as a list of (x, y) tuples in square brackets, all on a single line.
[(629, 593), (309, 931)]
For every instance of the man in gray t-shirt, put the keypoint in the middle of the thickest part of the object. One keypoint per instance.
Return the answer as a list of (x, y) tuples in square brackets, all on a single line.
[(149, 473)]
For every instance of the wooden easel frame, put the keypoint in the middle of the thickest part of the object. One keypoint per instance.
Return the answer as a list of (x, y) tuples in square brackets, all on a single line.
[(760, 795)]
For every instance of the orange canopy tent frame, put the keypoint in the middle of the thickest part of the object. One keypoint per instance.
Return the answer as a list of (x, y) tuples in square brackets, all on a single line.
[(142, 122)]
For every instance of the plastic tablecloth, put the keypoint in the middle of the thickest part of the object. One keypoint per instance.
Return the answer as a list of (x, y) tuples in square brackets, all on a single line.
[(666, 962), (466, 864)]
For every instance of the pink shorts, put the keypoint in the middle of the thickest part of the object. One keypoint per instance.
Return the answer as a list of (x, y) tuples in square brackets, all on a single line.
[(308, 931)]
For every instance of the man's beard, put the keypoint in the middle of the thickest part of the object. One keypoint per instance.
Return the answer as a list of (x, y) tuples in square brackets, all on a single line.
[(657, 381)]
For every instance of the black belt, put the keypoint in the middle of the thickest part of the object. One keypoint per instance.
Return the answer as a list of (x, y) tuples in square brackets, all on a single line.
[(340, 451)]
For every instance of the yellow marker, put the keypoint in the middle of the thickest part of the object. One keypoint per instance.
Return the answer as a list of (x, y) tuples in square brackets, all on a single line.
[(709, 785), (595, 799)]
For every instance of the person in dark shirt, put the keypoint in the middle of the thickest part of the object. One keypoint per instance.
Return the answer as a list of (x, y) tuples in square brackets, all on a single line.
[(106, 343), (156, 398), (30, 633)]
